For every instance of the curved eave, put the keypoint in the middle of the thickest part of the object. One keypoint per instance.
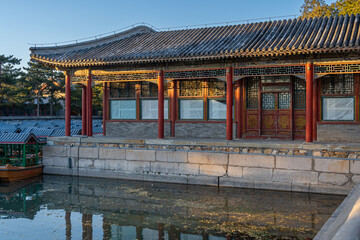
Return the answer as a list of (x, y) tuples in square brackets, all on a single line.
[(218, 56)]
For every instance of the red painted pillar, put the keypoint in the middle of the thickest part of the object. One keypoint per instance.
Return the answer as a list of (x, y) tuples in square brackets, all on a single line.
[(161, 104), (229, 103), (315, 108), (173, 107), (89, 105), (67, 105), (238, 109), (309, 72), (83, 111), (105, 108)]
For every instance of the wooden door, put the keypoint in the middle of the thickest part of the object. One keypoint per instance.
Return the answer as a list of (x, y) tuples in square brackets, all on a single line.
[(276, 114)]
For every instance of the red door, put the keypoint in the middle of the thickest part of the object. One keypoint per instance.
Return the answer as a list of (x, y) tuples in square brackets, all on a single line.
[(276, 105)]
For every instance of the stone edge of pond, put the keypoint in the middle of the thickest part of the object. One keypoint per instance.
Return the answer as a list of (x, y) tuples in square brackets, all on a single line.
[(345, 221)]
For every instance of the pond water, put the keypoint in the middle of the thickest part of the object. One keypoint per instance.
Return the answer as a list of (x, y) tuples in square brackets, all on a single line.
[(59, 207)]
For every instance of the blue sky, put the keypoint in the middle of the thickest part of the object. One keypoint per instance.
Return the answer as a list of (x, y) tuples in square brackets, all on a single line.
[(50, 21)]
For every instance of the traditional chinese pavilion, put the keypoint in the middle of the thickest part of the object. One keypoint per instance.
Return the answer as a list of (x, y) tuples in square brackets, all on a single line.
[(286, 79)]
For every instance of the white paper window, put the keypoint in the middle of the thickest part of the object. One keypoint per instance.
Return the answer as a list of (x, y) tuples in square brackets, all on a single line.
[(217, 109), (191, 109), (338, 109), (123, 109), (149, 109)]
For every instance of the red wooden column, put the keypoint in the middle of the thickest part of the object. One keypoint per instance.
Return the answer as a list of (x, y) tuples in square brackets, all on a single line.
[(229, 103), (67, 105), (315, 108), (309, 72), (238, 109), (89, 105), (83, 111), (357, 92), (105, 106), (161, 104), (173, 107)]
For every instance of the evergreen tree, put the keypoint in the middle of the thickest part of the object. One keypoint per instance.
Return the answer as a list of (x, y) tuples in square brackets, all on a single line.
[(41, 82), (11, 81)]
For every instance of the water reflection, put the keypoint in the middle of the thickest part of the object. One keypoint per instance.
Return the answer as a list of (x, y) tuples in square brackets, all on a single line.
[(84, 208)]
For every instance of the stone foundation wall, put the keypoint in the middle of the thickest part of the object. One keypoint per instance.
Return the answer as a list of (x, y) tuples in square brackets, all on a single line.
[(202, 130), (286, 168), (338, 133), (135, 129)]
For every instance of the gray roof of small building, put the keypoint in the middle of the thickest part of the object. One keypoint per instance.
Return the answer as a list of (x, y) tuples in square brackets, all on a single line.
[(16, 138)]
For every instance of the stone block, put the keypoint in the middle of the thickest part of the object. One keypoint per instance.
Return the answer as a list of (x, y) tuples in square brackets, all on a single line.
[(99, 164), (332, 165), (140, 155), (138, 166), (54, 151), (249, 160), (86, 163), (235, 171), (189, 169), (333, 178), (111, 153), (293, 163), (56, 161), (116, 165), (257, 173), (212, 170), (88, 152), (74, 152), (293, 176), (208, 158), (355, 179), (355, 167), (164, 168), (171, 156)]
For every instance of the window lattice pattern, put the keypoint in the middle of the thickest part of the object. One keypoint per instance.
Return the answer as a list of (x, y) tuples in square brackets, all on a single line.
[(257, 71), (284, 100), (190, 88), (339, 68), (252, 93), (149, 89), (210, 73), (216, 88), (122, 89), (338, 84), (268, 101), (299, 93)]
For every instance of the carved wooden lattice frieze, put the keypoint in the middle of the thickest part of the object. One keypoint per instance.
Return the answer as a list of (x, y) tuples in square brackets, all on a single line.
[(125, 77), (336, 68), (78, 79), (267, 71), (208, 73)]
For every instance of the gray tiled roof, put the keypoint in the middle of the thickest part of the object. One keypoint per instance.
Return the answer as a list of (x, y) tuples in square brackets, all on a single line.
[(283, 37), (16, 138)]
